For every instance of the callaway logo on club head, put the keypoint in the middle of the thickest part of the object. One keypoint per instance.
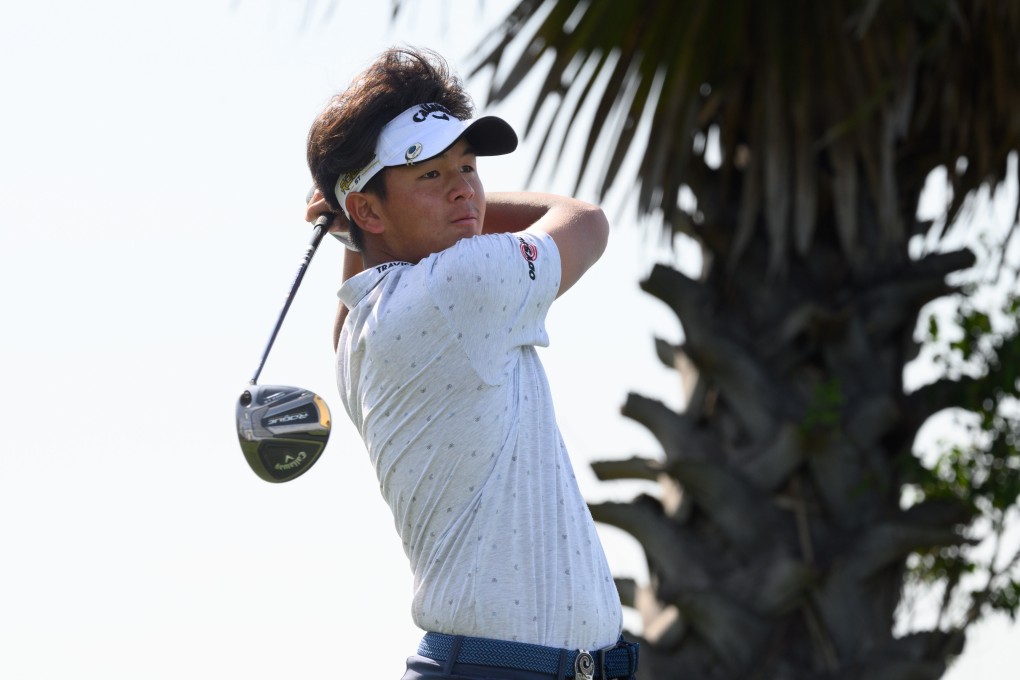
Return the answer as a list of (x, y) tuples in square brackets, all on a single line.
[(437, 110), (291, 462)]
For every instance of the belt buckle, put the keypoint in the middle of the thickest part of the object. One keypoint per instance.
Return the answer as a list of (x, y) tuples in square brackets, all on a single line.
[(584, 665)]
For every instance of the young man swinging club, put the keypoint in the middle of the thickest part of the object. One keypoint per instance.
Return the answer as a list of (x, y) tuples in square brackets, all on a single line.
[(444, 300)]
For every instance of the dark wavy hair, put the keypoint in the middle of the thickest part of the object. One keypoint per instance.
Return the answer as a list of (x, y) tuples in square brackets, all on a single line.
[(342, 138)]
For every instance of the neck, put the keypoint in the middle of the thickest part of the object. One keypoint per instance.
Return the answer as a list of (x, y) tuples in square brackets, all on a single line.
[(377, 252)]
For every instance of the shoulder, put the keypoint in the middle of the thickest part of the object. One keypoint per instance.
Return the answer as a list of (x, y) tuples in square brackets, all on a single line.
[(518, 251), (498, 274)]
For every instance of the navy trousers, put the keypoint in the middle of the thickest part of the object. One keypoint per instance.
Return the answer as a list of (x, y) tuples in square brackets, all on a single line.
[(619, 663)]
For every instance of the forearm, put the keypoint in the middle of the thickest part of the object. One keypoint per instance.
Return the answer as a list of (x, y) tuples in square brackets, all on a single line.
[(516, 211)]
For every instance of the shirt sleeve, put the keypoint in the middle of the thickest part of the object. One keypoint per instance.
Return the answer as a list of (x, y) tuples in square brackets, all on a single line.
[(495, 291)]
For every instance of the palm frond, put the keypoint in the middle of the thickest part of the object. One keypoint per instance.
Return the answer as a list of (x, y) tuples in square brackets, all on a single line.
[(858, 87)]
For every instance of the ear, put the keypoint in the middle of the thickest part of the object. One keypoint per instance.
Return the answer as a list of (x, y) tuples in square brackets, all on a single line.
[(363, 208)]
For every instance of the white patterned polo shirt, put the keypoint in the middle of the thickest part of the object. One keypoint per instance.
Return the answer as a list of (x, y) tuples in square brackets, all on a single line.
[(438, 370)]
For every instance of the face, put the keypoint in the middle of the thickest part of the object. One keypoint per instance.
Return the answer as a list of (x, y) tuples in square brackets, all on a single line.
[(432, 205)]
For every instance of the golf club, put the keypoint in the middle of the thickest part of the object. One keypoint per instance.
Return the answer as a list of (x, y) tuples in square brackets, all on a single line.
[(283, 430)]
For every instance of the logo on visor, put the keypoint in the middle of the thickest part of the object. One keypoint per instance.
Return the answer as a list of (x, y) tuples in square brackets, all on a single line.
[(352, 180), (347, 181), (437, 110), (412, 152)]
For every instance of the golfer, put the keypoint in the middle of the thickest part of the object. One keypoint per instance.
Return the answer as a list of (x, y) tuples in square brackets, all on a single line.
[(443, 303)]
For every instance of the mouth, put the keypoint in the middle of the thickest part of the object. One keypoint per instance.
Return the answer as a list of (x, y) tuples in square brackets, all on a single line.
[(468, 220)]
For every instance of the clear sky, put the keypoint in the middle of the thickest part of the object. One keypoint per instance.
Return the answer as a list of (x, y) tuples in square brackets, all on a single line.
[(152, 179)]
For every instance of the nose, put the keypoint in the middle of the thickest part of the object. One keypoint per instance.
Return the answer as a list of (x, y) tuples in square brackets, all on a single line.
[(462, 188)]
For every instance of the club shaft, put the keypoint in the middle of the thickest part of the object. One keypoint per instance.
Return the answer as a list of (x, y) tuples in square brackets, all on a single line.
[(320, 228)]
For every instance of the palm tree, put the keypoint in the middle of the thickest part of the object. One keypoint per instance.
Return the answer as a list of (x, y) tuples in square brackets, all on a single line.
[(780, 544)]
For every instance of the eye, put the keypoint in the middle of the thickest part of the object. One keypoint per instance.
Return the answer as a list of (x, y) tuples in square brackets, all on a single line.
[(431, 174), (467, 168)]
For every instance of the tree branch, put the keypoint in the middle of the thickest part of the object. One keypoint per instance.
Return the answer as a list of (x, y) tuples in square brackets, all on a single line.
[(755, 396), (891, 542), (923, 403), (741, 511), (680, 563), (677, 434), (632, 468), (736, 635)]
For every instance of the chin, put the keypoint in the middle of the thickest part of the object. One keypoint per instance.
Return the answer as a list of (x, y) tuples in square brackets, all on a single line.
[(467, 232)]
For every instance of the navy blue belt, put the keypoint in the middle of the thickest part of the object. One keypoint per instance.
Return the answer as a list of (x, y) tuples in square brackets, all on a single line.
[(618, 661)]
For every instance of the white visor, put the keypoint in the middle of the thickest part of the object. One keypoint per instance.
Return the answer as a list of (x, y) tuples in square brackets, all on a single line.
[(422, 132)]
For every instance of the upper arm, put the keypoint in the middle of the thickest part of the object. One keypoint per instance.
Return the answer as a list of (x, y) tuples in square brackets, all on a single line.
[(494, 292), (581, 233)]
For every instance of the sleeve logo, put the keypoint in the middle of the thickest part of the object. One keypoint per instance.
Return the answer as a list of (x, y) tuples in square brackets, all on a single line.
[(530, 253)]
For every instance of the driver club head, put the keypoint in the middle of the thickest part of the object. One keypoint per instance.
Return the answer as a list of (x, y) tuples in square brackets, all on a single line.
[(282, 430)]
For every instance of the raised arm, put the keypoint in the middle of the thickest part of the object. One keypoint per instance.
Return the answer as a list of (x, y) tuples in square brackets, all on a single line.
[(579, 229), (353, 263)]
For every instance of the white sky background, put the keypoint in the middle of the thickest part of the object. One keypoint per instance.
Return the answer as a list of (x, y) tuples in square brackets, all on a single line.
[(152, 177)]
